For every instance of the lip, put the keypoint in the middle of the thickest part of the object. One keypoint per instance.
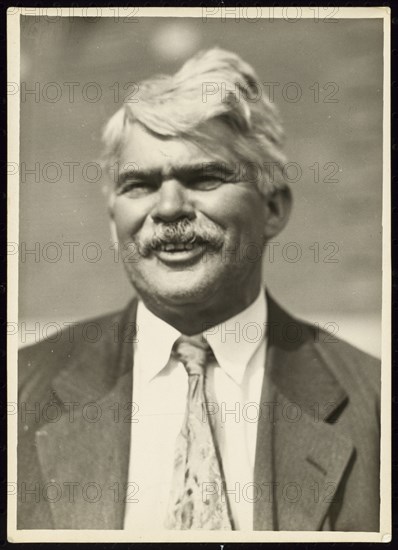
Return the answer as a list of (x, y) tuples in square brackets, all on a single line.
[(177, 257)]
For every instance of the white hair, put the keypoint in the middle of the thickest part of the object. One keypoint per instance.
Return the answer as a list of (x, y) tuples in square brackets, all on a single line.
[(213, 85)]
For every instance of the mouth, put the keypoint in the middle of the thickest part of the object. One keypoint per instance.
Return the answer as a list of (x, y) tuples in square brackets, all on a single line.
[(180, 253)]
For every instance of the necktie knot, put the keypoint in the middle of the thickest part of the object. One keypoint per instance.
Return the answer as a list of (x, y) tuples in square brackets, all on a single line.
[(194, 352)]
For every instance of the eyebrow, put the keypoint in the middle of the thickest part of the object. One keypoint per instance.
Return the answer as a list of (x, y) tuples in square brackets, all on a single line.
[(182, 172)]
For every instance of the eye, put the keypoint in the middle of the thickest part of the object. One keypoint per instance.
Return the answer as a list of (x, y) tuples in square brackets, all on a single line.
[(207, 184), (212, 180), (135, 188)]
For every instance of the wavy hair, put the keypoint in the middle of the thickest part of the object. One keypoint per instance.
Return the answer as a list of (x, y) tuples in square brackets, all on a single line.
[(213, 85)]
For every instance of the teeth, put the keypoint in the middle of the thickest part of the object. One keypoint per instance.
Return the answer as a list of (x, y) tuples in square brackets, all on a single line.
[(173, 247)]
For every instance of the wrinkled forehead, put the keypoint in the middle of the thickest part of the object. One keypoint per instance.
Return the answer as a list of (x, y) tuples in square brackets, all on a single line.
[(148, 151)]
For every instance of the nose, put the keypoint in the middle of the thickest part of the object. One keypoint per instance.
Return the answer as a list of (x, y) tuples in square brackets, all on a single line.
[(172, 202)]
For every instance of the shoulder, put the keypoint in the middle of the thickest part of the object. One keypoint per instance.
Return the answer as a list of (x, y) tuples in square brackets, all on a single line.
[(348, 362), (39, 364), (356, 371)]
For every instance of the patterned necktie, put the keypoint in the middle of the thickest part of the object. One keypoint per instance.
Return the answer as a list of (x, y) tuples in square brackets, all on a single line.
[(197, 486)]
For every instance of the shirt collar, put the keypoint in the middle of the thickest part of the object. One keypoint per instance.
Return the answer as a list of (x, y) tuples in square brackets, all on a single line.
[(155, 339), (233, 342)]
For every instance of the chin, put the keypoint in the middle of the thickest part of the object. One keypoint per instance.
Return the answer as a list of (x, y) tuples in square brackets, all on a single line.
[(176, 289), (181, 295)]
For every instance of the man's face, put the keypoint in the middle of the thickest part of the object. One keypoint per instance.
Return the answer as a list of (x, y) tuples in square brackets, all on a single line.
[(209, 226)]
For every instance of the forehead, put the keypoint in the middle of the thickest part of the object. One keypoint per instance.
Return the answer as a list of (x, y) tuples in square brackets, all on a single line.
[(149, 151)]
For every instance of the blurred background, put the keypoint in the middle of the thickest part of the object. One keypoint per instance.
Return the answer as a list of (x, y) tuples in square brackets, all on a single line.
[(327, 83)]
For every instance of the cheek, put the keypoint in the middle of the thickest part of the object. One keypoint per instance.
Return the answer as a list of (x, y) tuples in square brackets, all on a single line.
[(240, 212), (128, 216)]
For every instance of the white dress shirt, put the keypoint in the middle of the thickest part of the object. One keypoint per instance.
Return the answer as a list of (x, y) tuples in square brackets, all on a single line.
[(160, 387)]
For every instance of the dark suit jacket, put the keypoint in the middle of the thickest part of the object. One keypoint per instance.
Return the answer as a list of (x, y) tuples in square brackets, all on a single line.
[(317, 455)]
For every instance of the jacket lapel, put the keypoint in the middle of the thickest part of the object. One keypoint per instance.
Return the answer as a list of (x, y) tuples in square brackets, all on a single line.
[(302, 453), (84, 456)]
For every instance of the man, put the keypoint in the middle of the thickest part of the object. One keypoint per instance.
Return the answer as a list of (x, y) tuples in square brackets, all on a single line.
[(204, 405)]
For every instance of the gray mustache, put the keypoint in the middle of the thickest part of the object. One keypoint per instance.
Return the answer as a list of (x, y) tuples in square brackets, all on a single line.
[(183, 231)]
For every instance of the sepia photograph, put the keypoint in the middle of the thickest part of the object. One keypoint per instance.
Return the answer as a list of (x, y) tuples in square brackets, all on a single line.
[(199, 271)]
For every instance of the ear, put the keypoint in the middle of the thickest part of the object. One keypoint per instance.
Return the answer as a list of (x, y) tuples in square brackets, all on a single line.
[(112, 223), (278, 206)]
